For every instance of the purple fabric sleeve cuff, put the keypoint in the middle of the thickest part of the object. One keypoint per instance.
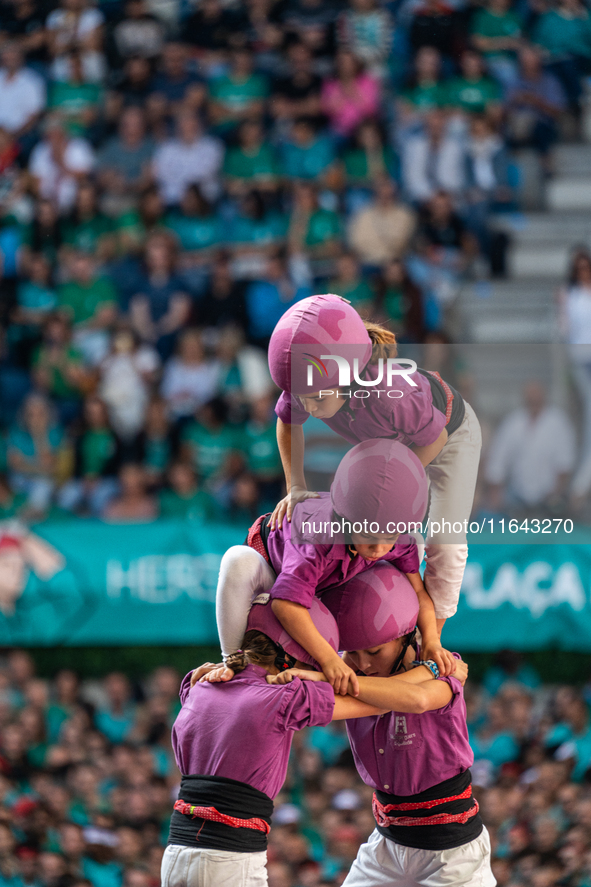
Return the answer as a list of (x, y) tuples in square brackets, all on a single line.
[(290, 588), (288, 410)]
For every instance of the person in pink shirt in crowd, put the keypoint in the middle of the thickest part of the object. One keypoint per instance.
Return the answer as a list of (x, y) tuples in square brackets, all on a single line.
[(232, 742), (379, 490), (352, 96), (428, 828), (415, 407)]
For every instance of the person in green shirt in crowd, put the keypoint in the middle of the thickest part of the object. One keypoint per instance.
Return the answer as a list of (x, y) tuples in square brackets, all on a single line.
[(473, 92), (90, 301), (197, 227), (86, 228), (96, 452), (497, 33), (75, 99), (309, 155), (183, 499), (369, 157), (209, 441), (254, 235), (401, 303), (260, 446), (58, 368), (237, 95), (312, 229), (351, 285), (564, 34), (425, 90), (133, 226), (252, 162), (35, 300), (154, 444)]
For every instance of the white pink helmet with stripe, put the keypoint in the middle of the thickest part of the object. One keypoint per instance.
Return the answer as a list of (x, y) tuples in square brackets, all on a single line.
[(310, 329), (261, 618), (374, 607), (382, 482)]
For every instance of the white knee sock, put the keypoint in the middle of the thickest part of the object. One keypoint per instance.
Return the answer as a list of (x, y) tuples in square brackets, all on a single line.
[(244, 573)]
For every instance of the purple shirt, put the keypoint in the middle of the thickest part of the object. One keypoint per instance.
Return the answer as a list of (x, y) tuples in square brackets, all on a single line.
[(243, 729), (304, 570), (405, 754), (411, 417)]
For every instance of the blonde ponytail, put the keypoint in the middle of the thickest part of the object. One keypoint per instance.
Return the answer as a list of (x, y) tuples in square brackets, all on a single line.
[(382, 340)]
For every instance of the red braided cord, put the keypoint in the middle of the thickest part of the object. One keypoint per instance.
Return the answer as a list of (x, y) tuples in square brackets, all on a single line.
[(448, 394), (384, 820), (254, 539), (213, 815), (427, 805)]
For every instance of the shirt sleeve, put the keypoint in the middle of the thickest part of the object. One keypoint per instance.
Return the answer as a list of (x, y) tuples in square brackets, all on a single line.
[(307, 704), (405, 557), (418, 419), (299, 574), (456, 688), (185, 688), (290, 410)]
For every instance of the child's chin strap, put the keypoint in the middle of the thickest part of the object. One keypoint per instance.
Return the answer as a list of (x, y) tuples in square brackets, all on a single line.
[(410, 639)]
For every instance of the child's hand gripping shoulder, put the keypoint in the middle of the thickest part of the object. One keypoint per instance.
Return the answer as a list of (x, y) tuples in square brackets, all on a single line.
[(211, 674), (445, 661)]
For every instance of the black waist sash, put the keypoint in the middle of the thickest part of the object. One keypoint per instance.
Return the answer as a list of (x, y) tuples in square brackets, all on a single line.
[(230, 797), (440, 836)]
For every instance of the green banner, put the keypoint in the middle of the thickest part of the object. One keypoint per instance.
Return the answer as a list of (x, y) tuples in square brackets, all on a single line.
[(88, 583)]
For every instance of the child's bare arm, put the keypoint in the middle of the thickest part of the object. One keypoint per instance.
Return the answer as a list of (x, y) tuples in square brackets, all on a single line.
[(431, 643), (297, 621), (428, 453), (290, 440)]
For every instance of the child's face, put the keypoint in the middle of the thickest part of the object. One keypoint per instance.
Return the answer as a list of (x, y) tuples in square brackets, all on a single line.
[(377, 661), (372, 548), (323, 404)]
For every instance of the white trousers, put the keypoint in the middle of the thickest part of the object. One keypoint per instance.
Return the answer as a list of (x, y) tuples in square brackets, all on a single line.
[(452, 481), (382, 863), (244, 573), (192, 867)]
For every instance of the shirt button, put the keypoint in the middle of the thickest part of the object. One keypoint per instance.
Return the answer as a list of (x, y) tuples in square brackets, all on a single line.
[(381, 751), (386, 786)]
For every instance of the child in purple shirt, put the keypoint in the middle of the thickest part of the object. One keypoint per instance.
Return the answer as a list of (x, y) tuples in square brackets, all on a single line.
[(380, 484), (417, 763), (232, 742), (333, 366)]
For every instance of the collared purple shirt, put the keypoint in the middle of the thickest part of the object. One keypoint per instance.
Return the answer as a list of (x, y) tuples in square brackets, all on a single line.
[(306, 570), (405, 754), (411, 417), (243, 729)]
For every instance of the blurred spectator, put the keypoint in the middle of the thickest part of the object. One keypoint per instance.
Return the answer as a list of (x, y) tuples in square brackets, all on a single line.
[(224, 303), (181, 87), (139, 33), (189, 379), (564, 34), (382, 230), (239, 94), (197, 227), (154, 446), (77, 101), (308, 155), (58, 163), (534, 103), (352, 96), (95, 462), (497, 33), (86, 228), (133, 504), (267, 299), (367, 31), (43, 234), (126, 375), (159, 306), (124, 161), (35, 445), (184, 499), (244, 371), (76, 25), (115, 716), (433, 160), (209, 441), (262, 456), (252, 162), (400, 302), (190, 158), (22, 94), (254, 234), (473, 92), (58, 367), (297, 94), (352, 285), (367, 159), (424, 90), (314, 231), (209, 30), (89, 300), (531, 455)]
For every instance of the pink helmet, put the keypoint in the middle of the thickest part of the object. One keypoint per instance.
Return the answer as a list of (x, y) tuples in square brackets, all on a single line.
[(380, 481), (261, 618), (373, 607), (311, 328)]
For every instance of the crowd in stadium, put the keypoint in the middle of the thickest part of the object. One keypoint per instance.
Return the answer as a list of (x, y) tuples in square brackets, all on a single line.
[(173, 176), (87, 782)]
